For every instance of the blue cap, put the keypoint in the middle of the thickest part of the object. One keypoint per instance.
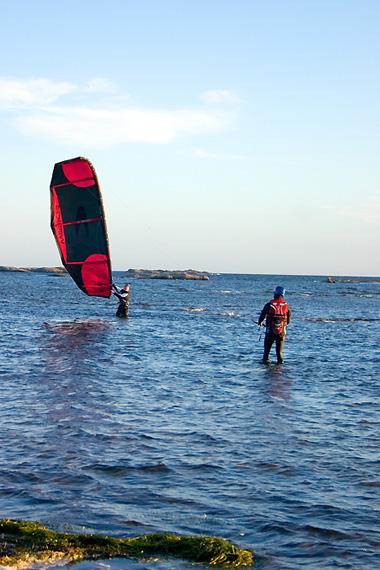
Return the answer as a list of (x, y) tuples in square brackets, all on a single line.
[(279, 291)]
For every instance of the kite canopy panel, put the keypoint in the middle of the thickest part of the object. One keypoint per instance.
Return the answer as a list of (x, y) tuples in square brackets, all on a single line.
[(79, 227)]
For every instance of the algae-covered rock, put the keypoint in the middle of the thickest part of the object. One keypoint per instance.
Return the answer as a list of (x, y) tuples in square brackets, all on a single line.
[(22, 544)]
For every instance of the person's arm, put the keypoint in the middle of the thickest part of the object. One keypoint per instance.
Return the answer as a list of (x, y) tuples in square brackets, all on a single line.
[(288, 315), (263, 314), (118, 292)]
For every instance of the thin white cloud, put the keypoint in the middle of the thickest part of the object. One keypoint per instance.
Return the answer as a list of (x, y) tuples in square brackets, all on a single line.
[(219, 96), (100, 85), (30, 92), (104, 127), (70, 113), (24, 93)]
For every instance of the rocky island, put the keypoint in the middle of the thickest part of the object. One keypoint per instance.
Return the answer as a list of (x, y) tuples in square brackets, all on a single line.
[(58, 270), (353, 279), (189, 274)]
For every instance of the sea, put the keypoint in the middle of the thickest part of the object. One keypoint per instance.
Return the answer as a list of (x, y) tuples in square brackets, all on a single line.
[(169, 422)]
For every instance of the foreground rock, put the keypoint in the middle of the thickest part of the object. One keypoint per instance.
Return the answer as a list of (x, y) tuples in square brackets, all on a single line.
[(23, 544), (165, 274)]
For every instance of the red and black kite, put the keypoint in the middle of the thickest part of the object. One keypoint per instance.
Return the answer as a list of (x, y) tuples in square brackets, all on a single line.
[(79, 227)]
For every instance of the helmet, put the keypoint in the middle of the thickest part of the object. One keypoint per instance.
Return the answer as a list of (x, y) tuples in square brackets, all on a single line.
[(279, 291)]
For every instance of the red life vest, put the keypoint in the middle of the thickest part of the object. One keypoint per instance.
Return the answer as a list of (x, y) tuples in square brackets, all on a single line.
[(277, 316)]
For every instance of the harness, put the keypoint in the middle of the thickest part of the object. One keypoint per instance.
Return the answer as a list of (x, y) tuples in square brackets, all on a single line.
[(277, 316)]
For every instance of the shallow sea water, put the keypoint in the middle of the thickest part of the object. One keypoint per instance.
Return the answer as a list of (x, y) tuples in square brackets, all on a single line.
[(169, 422)]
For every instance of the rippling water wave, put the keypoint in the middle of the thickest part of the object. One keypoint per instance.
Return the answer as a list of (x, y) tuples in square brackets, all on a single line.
[(169, 422)]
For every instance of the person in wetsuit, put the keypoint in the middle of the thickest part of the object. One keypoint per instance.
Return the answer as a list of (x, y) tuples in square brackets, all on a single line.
[(276, 314), (123, 295)]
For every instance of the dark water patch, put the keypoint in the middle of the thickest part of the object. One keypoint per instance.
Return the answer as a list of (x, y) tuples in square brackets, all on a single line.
[(326, 533), (279, 469), (372, 484), (154, 468), (109, 470), (201, 467), (120, 470)]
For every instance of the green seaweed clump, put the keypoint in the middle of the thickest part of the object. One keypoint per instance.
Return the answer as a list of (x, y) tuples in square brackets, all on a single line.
[(25, 543)]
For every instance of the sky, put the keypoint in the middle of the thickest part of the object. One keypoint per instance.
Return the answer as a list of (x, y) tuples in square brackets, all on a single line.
[(234, 136)]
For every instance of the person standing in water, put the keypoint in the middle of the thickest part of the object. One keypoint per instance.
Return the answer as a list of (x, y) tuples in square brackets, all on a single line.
[(123, 295), (277, 315)]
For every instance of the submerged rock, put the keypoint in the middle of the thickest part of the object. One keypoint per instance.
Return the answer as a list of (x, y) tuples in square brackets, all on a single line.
[(23, 544)]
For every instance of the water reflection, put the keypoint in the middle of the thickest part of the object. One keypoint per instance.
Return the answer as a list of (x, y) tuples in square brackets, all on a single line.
[(279, 382), (73, 345)]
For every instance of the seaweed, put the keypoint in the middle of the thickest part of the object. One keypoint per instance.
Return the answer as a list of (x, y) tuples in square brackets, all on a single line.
[(23, 543)]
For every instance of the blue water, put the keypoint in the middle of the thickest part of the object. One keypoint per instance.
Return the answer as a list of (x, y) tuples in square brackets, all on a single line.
[(169, 422)]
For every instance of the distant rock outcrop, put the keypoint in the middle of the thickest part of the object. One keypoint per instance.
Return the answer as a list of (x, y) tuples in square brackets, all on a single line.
[(188, 274), (354, 280), (57, 270)]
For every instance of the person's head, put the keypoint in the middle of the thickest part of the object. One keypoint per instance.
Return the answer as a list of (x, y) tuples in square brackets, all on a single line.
[(279, 292), (126, 287)]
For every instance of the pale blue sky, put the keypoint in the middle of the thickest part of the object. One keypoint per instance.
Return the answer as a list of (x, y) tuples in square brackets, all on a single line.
[(230, 136)]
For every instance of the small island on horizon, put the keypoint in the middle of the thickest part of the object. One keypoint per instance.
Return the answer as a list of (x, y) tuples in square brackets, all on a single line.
[(167, 274), (187, 274), (11, 268)]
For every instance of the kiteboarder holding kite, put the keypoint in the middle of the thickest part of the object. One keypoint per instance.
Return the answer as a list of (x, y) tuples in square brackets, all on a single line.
[(276, 314), (79, 227), (123, 295)]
